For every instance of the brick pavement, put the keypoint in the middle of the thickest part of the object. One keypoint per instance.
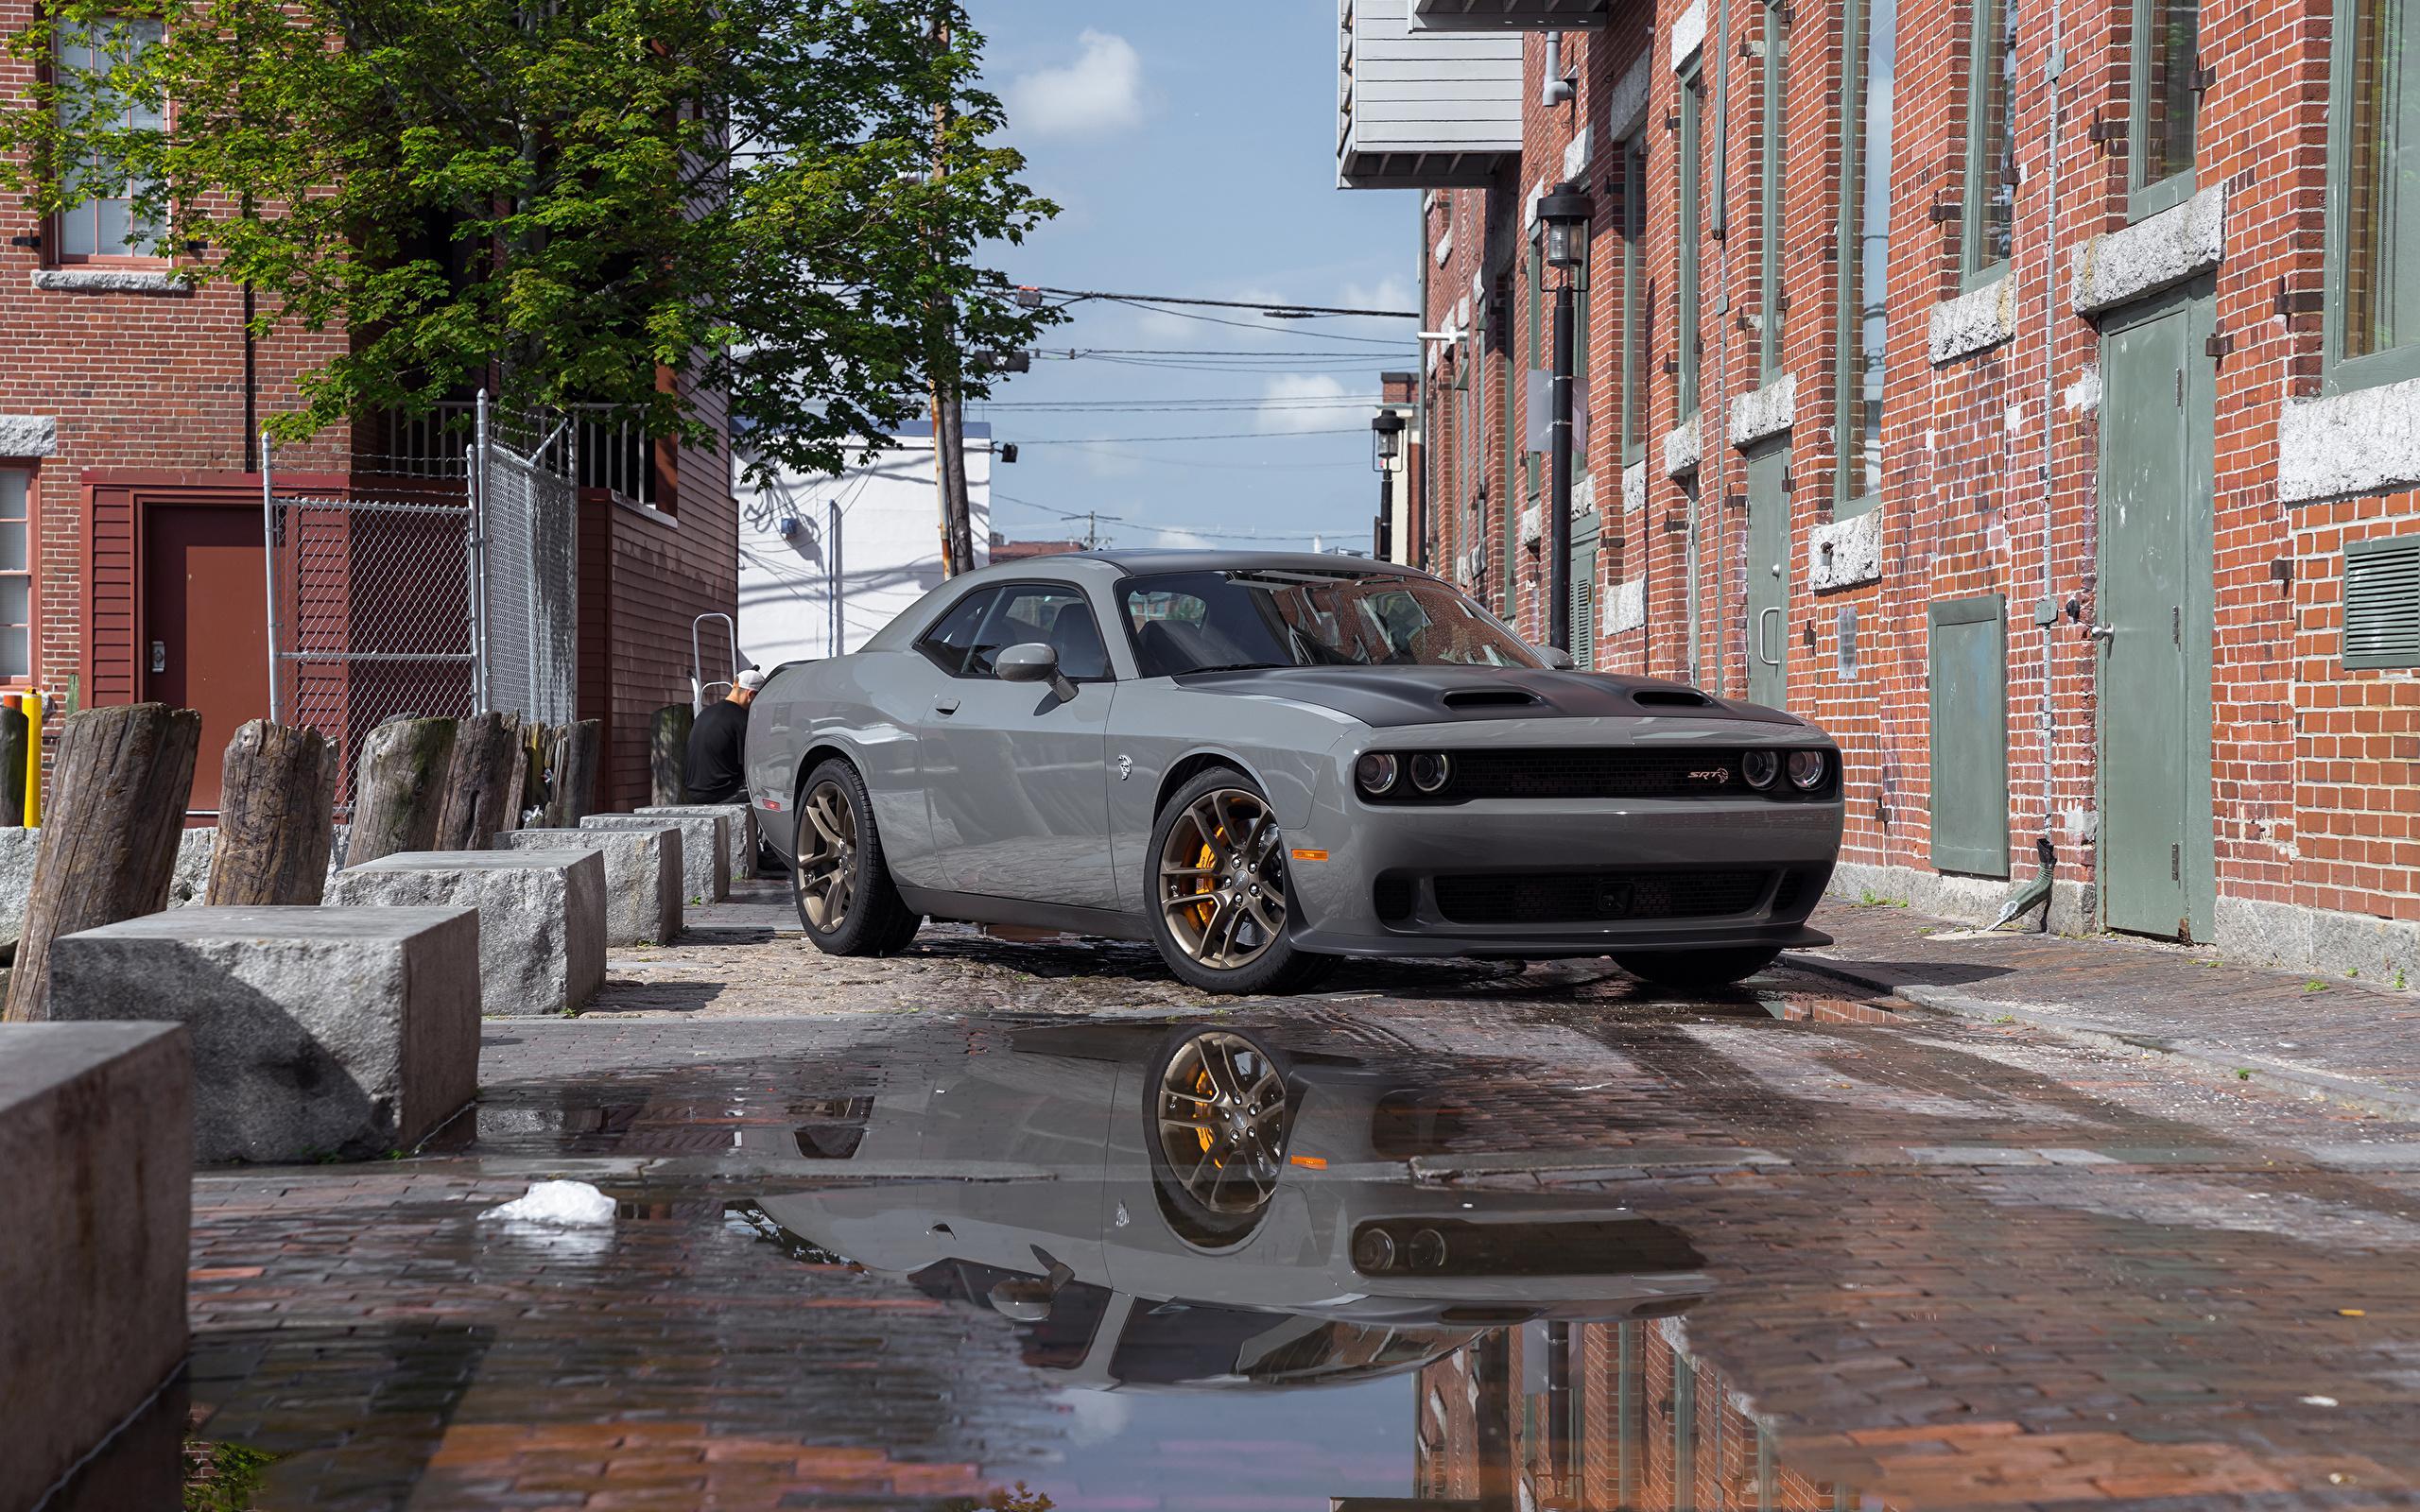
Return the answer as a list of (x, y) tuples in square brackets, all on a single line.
[(2338, 1038), (1955, 1264)]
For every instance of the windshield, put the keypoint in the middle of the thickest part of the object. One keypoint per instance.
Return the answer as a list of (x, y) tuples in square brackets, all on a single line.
[(1215, 620)]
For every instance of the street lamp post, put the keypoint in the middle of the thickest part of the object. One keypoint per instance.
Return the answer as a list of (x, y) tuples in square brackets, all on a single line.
[(1565, 216), (1386, 432)]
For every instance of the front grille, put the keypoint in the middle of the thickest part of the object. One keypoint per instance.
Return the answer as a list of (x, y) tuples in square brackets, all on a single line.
[(1610, 773), (1590, 897)]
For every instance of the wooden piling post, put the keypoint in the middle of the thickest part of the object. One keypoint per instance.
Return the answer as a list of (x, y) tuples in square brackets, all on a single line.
[(120, 782), (482, 782), (667, 753), (578, 749), (400, 788), (276, 817)]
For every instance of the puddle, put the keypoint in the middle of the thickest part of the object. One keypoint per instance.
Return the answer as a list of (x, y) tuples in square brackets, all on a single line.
[(1207, 1254)]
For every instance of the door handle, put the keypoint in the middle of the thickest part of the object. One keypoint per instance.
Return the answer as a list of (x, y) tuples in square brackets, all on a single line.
[(1775, 612), (944, 706), (2101, 633)]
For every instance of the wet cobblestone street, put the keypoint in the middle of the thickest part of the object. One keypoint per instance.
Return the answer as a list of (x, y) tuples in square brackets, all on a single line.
[(1787, 1248)]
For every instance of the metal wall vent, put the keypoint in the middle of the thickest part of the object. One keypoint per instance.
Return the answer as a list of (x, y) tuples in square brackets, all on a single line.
[(2382, 602)]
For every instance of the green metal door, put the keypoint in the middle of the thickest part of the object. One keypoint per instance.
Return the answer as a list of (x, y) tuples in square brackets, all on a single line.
[(1586, 529), (1967, 673), (2154, 618), (1768, 592)]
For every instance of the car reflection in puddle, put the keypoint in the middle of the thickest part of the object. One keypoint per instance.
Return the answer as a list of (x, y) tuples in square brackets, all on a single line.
[(1200, 1213)]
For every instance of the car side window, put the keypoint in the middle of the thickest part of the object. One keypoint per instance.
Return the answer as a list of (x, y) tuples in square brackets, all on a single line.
[(1052, 613), (947, 644)]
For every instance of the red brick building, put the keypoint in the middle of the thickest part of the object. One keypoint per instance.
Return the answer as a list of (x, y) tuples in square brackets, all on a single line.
[(131, 527), (2023, 389)]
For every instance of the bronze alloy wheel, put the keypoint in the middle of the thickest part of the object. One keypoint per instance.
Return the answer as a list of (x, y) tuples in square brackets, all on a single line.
[(1221, 1122), (827, 872), (1222, 879)]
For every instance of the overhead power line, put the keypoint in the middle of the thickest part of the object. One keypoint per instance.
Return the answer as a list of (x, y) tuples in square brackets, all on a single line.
[(1217, 436), (1283, 309)]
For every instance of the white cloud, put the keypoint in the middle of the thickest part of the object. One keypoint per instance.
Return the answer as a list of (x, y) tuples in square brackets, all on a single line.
[(1100, 91), (1180, 539), (1291, 402), (1393, 292)]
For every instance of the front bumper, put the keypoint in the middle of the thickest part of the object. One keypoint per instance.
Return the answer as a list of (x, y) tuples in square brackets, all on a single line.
[(1376, 893)]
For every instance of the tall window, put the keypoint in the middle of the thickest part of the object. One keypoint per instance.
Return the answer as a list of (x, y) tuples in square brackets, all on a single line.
[(108, 225), (1634, 370), (16, 580), (1871, 30), (1771, 82), (2166, 103), (1692, 217), (1991, 145), (2373, 194)]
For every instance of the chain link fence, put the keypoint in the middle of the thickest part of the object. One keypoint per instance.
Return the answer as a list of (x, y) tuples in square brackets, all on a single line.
[(442, 580)]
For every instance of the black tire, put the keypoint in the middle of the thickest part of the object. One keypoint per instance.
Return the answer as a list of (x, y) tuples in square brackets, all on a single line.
[(1207, 1208), (1272, 965), (1695, 971), (840, 861)]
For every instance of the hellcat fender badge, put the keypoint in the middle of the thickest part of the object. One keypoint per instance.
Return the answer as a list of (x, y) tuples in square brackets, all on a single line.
[(1124, 767)]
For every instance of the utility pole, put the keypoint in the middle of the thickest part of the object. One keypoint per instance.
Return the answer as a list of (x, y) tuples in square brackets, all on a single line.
[(949, 448)]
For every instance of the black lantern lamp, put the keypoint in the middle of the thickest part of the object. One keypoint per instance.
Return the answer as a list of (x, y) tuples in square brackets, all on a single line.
[(1564, 215), (1386, 429)]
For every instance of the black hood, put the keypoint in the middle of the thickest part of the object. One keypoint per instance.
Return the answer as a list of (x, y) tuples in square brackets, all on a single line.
[(1384, 696)]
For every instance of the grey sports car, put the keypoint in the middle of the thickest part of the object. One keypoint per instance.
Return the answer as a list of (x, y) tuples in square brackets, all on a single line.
[(1262, 762)]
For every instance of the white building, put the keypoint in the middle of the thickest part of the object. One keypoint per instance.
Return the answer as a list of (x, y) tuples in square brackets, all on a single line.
[(825, 561)]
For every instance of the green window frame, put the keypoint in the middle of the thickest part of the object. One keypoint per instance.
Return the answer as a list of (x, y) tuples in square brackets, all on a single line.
[(1686, 335), (1534, 271), (1508, 556), (2163, 105), (2371, 330), (1869, 32), (1772, 144), (1634, 220), (1987, 225)]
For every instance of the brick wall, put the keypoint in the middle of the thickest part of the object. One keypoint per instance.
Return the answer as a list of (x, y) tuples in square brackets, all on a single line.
[(1989, 460)]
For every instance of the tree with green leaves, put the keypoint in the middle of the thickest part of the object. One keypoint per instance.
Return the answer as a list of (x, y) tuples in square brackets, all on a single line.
[(783, 204)]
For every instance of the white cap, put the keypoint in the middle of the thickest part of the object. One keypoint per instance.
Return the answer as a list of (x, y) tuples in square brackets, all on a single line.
[(751, 679)]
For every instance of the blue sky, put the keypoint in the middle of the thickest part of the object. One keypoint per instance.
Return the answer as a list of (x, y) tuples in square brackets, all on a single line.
[(1192, 151)]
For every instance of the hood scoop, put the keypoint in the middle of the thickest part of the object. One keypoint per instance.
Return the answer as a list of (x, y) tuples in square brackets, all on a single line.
[(1489, 698), (1670, 698)]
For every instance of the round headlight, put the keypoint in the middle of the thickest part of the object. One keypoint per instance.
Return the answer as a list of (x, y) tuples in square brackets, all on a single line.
[(1762, 768), (1429, 771), (1374, 772), (1373, 1251), (1427, 1250), (1806, 769)]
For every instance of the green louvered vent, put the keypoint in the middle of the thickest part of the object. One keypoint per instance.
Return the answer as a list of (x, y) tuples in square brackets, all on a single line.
[(2382, 602)]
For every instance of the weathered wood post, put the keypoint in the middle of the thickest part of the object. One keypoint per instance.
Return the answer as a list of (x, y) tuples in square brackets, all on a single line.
[(400, 788), (15, 730), (667, 753), (120, 782), (276, 818), (482, 782), (578, 749)]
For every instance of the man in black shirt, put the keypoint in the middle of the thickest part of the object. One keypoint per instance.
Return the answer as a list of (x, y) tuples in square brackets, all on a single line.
[(717, 769)]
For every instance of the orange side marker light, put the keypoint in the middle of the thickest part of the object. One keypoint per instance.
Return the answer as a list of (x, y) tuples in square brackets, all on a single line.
[(1308, 1163), (1311, 855)]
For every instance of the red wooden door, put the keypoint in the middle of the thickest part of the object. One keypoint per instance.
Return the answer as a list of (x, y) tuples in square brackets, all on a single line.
[(205, 626)]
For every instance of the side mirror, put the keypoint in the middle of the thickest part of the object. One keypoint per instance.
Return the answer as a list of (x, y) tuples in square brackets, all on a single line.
[(1557, 658), (1033, 661)]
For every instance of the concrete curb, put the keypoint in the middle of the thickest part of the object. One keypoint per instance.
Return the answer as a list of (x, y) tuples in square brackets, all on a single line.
[(2320, 1086)]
